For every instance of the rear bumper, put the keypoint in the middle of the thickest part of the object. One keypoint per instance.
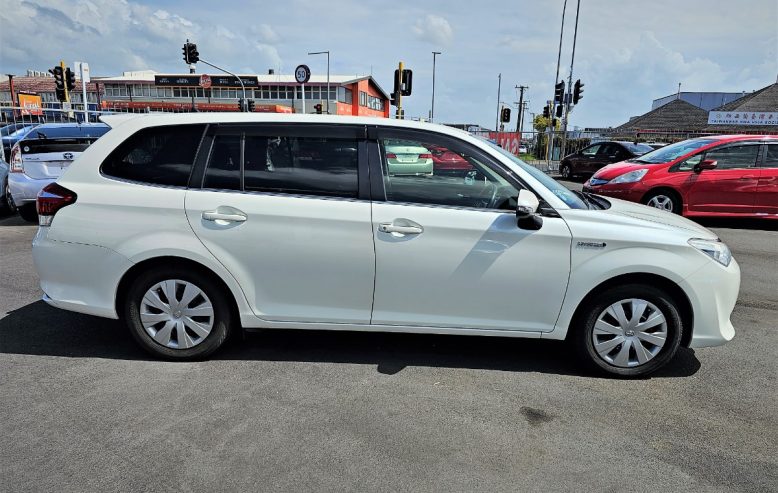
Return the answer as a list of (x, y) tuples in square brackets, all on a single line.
[(713, 292), (78, 277), (25, 189)]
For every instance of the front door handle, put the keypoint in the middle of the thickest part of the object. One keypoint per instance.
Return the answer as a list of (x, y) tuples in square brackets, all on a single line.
[(403, 230), (748, 177), (236, 217)]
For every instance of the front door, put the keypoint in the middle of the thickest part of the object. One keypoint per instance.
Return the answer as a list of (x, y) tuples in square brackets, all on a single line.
[(731, 187), (280, 208), (450, 254)]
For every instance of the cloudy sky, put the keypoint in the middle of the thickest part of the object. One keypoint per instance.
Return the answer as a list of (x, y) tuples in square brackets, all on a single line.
[(628, 52)]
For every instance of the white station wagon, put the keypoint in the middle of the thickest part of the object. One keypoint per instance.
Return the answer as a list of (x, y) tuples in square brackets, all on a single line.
[(190, 226)]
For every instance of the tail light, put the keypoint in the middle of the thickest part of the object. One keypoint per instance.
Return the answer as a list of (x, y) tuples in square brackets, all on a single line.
[(391, 155), (51, 199), (425, 156), (16, 159)]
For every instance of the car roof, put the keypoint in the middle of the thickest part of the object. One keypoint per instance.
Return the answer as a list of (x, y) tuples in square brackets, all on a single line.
[(736, 137), (44, 126)]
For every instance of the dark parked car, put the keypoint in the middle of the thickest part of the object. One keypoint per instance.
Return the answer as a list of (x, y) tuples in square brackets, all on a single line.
[(590, 159)]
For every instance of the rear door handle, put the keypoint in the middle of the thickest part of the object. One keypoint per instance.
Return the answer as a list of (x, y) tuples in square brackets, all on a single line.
[(404, 230), (220, 216)]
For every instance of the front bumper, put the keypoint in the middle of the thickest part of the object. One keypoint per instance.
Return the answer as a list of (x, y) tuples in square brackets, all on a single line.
[(25, 189), (713, 292), (626, 191)]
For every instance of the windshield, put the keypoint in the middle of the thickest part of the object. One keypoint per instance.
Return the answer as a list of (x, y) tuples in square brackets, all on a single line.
[(638, 149), (673, 151), (563, 193), (11, 129), (74, 131)]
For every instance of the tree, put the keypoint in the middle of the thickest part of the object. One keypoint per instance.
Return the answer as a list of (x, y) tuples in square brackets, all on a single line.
[(540, 123)]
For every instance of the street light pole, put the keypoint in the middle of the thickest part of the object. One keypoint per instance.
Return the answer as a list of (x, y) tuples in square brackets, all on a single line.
[(328, 74), (552, 116), (570, 82), (432, 111), (497, 119)]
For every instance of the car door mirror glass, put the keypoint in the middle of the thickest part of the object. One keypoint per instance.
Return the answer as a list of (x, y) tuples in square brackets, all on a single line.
[(527, 204), (706, 164)]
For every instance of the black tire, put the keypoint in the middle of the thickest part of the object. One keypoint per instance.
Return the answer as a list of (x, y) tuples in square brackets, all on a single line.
[(28, 213), (6, 201), (222, 314), (566, 172), (583, 328), (675, 199)]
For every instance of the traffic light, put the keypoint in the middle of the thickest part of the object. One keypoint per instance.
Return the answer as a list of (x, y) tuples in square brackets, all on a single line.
[(546, 112), (505, 115), (70, 79), (59, 81), (577, 91), (252, 105), (559, 92), (191, 55), (553, 124), (407, 81), (318, 108), (241, 105), (559, 111)]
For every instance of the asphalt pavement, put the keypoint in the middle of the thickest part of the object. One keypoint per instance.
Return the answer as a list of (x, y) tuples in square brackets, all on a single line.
[(82, 408)]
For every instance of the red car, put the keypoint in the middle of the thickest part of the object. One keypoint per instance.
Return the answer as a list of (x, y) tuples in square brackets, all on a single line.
[(446, 162), (725, 175)]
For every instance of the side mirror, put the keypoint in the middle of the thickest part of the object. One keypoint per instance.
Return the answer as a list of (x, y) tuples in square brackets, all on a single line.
[(706, 164), (526, 208)]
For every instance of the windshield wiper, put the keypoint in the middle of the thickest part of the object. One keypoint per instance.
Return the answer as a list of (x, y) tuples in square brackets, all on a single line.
[(41, 135), (589, 203)]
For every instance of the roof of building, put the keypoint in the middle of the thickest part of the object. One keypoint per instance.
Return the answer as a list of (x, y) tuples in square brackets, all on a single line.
[(763, 100), (39, 84), (675, 115)]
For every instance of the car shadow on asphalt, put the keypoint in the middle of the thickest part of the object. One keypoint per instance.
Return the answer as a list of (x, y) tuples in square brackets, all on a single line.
[(38, 329), (737, 223)]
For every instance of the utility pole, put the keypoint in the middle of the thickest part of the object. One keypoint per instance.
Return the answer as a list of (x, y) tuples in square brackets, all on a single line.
[(399, 112), (521, 108), (551, 116), (570, 83), (432, 111), (497, 120)]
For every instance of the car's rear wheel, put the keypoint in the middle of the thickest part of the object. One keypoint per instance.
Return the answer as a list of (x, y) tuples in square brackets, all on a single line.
[(7, 205), (628, 331), (566, 172), (666, 200), (176, 314), (28, 213)]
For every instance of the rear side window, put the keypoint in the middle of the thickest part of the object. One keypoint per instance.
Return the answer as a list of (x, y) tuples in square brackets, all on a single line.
[(284, 164), (158, 155), (771, 156)]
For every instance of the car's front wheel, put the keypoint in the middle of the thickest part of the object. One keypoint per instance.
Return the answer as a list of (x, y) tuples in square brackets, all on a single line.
[(663, 199), (177, 314), (629, 331)]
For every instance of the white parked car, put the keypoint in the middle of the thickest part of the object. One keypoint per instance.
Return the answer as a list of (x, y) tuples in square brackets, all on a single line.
[(190, 226)]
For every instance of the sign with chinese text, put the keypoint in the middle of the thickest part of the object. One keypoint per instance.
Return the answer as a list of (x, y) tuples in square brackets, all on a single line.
[(743, 118)]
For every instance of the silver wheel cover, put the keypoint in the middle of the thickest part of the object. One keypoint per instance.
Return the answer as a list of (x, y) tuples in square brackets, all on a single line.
[(176, 314), (629, 333), (661, 202)]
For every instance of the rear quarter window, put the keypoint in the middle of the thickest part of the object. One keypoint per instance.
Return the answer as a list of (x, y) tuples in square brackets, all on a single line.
[(159, 155)]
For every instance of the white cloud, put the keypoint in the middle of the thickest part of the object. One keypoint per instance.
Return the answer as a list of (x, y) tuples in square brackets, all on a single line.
[(434, 29)]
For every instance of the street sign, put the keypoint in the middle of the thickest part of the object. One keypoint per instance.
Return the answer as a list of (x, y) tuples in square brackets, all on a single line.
[(205, 81), (216, 80), (82, 68), (302, 74)]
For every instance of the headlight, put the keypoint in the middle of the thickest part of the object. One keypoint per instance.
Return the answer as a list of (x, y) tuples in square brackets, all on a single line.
[(631, 177), (714, 249)]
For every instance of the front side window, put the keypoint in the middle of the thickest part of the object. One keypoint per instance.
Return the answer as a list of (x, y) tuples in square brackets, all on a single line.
[(735, 156), (284, 164), (441, 173), (592, 150), (159, 155)]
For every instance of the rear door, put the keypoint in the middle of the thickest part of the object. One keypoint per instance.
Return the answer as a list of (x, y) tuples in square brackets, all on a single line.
[(731, 187), (286, 209), (767, 190)]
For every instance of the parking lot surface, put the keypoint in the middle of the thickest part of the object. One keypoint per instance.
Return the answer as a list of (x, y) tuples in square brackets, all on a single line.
[(82, 408)]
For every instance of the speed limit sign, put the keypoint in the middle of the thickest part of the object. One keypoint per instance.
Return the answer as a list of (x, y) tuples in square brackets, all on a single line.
[(302, 74)]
